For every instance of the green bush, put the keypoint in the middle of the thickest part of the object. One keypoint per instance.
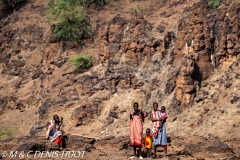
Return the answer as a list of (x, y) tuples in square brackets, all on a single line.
[(7, 132), (13, 4), (81, 62), (213, 3), (70, 19)]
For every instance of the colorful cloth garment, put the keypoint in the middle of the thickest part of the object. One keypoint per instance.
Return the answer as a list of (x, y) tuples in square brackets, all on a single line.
[(161, 139), (53, 133), (163, 115), (136, 129), (148, 142), (56, 137), (50, 126), (156, 124)]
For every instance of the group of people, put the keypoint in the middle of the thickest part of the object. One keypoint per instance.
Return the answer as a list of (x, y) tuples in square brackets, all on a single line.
[(158, 136)]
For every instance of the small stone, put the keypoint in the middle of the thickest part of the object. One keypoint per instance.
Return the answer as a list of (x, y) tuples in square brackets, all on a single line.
[(227, 85)]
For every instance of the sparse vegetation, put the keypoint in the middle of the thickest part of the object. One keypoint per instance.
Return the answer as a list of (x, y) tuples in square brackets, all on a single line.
[(234, 125), (7, 132), (81, 62), (137, 11), (70, 19), (12, 4), (213, 3)]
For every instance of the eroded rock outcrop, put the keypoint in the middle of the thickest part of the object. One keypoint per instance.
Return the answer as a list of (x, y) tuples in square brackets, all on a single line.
[(185, 87), (209, 41)]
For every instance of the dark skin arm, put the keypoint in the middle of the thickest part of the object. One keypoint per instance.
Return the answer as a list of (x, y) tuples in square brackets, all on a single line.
[(142, 114), (60, 123), (163, 119), (131, 117)]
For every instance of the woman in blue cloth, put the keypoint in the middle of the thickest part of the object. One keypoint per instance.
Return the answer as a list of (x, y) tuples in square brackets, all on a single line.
[(159, 129)]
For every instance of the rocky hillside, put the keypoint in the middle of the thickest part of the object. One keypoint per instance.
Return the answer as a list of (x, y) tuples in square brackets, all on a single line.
[(182, 54)]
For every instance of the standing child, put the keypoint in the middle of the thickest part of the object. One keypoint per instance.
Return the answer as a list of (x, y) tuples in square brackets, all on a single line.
[(148, 142), (163, 115)]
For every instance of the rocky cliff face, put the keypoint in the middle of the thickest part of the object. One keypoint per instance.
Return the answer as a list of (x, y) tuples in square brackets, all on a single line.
[(180, 54), (209, 41)]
